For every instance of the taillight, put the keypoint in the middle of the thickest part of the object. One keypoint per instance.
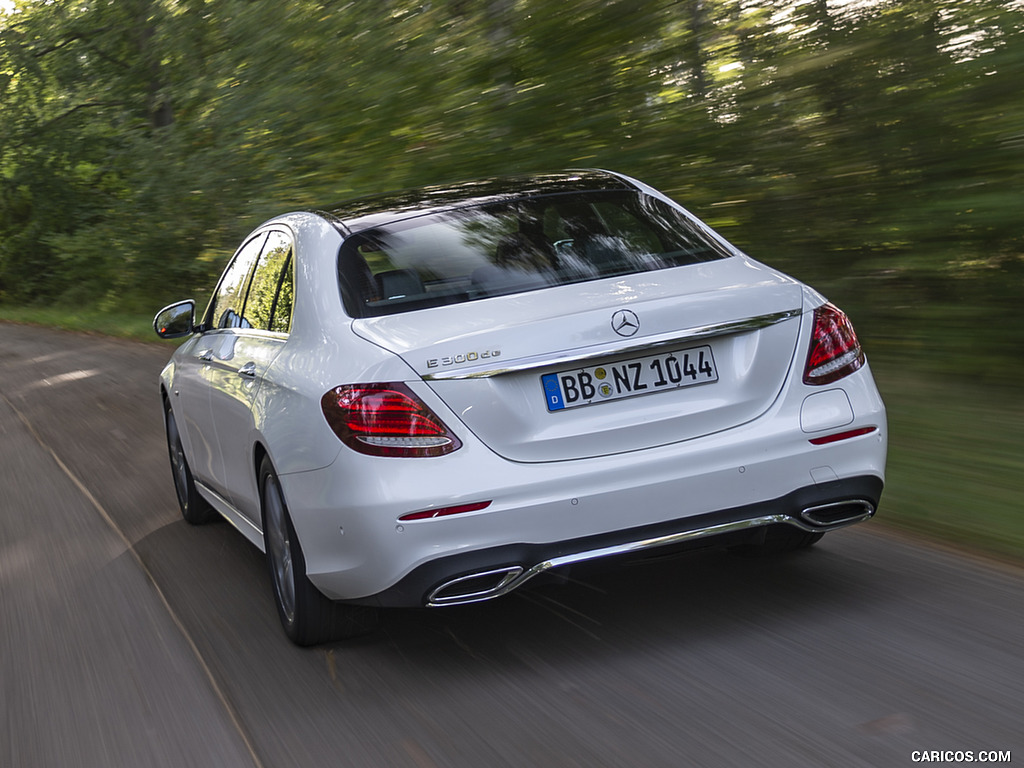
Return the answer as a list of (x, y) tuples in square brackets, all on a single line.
[(835, 351), (386, 420)]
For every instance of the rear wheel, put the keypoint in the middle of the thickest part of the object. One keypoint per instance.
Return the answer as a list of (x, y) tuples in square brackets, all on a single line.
[(308, 617), (194, 508)]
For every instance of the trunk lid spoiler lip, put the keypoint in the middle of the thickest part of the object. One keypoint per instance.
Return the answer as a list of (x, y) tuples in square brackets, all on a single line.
[(649, 343)]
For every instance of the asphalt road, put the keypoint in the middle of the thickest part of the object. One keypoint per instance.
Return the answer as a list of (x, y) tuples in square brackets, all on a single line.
[(128, 638)]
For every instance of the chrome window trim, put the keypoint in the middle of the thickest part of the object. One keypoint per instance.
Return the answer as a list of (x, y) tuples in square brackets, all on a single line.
[(249, 332), (614, 348)]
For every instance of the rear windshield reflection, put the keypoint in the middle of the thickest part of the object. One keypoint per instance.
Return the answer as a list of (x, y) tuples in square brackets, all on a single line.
[(522, 245)]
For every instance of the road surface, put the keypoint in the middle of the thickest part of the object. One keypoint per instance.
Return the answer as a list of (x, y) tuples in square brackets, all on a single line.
[(129, 638)]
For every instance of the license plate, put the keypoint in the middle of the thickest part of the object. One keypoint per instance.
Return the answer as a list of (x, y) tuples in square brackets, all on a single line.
[(615, 381)]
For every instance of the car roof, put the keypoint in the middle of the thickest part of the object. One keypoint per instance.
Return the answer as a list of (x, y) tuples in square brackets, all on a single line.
[(362, 213)]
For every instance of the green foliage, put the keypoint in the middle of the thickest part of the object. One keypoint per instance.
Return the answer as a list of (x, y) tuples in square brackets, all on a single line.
[(875, 149), (135, 326)]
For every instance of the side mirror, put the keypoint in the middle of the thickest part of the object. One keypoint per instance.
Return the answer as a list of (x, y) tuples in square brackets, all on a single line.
[(175, 320)]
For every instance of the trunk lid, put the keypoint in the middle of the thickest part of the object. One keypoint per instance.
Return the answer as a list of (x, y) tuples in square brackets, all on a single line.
[(699, 349)]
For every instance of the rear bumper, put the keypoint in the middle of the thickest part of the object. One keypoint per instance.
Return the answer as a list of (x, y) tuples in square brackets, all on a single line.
[(730, 484), (489, 573)]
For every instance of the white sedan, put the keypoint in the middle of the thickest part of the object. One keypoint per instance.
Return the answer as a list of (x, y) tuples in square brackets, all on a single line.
[(430, 398)]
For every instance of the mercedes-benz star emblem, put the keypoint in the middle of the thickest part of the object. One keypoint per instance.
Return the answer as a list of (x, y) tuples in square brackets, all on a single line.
[(625, 322)]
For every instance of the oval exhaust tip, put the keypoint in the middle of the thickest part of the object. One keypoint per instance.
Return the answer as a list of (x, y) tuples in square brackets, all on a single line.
[(838, 513), (474, 587)]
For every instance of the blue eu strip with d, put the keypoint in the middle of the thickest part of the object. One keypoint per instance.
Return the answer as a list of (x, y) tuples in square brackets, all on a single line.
[(553, 392)]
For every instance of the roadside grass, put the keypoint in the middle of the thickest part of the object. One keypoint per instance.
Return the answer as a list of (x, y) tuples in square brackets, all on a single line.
[(138, 327), (956, 449), (956, 460)]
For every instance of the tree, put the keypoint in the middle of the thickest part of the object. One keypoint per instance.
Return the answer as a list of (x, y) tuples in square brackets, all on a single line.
[(879, 141)]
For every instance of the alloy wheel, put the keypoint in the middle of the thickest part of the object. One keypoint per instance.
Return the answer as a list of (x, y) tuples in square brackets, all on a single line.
[(279, 546), (178, 464)]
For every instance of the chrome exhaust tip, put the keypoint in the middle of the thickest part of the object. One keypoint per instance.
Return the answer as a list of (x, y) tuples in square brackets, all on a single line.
[(475, 587), (838, 513)]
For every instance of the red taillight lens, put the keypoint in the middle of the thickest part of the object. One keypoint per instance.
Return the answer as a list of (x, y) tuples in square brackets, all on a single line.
[(386, 420), (835, 351)]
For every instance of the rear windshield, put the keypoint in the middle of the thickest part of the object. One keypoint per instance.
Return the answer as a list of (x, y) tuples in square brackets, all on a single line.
[(515, 246)]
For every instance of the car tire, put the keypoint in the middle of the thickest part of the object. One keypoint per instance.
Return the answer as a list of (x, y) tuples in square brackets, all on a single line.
[(307, 616), (779, 539), (194, 508)]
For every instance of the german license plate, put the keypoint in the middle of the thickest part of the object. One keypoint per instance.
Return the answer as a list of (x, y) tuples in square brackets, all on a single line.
[(615, 381)]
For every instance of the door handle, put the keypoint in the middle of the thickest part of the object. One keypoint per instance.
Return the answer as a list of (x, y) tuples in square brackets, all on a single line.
[(206, 355), (248, 371)]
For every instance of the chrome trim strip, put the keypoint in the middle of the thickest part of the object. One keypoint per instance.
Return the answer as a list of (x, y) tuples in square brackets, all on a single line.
[(244, 525), (514, 581), (614, 348)]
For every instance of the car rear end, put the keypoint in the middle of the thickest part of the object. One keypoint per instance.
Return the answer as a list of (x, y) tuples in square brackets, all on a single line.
[(591, 373)]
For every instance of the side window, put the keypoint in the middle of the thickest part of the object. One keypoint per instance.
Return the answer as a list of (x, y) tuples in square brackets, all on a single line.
[(268, 306), (282, 319), (227, 306)]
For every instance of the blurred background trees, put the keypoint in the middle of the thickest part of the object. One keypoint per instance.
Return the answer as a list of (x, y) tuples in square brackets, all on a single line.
[(872, 147)]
